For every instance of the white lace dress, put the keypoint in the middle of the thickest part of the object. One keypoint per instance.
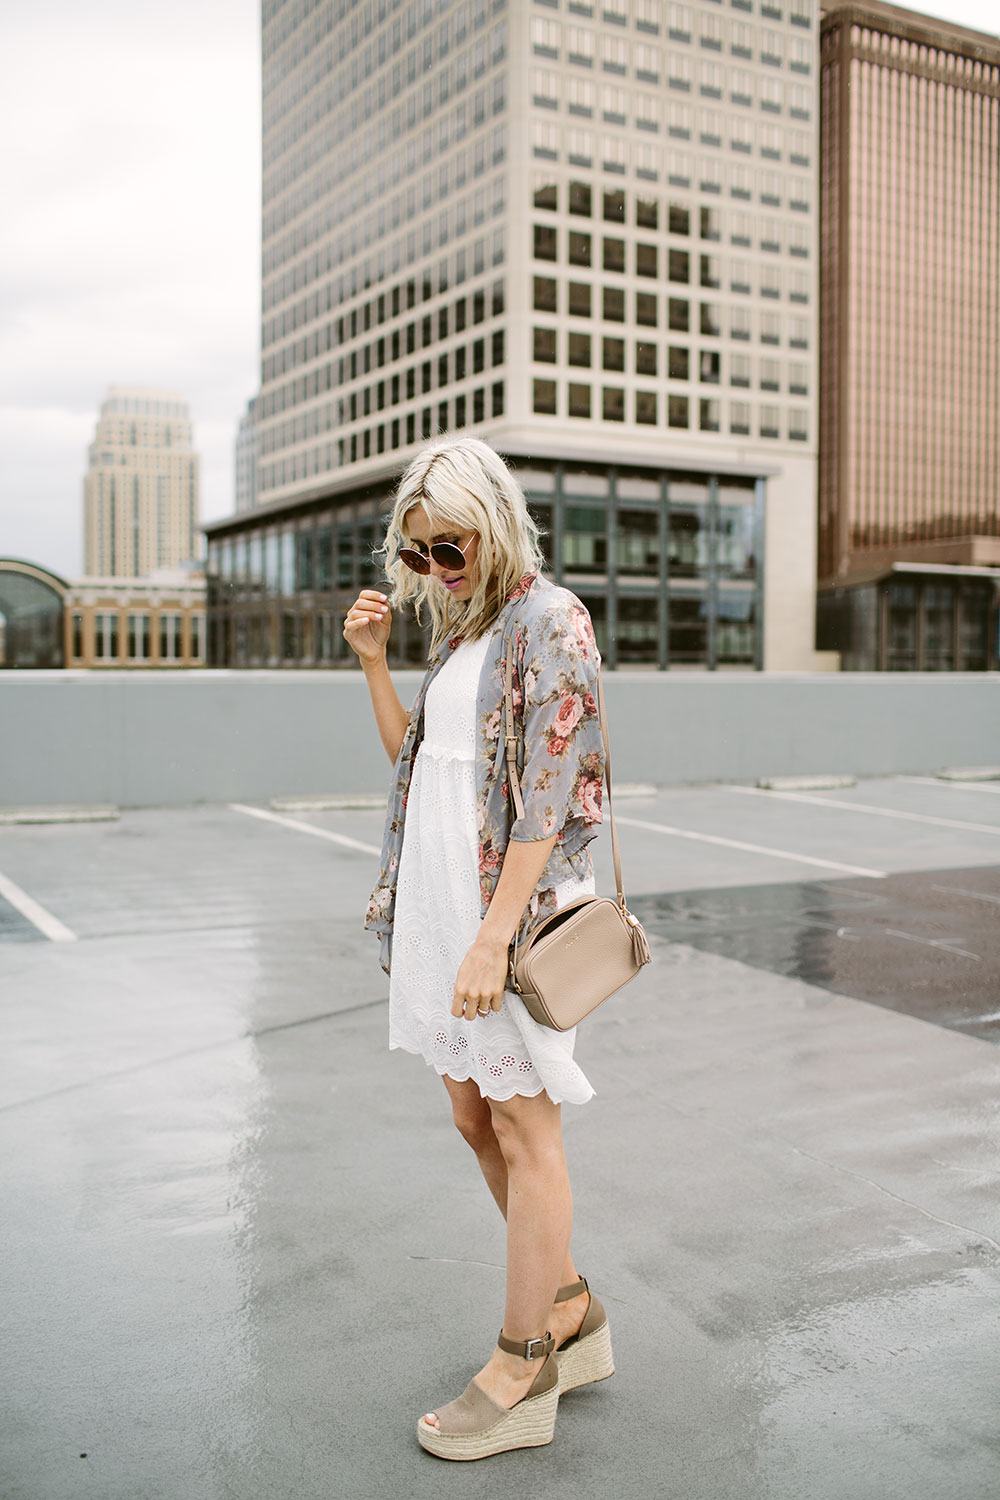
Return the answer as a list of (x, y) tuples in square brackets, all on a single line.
[(437, 916)]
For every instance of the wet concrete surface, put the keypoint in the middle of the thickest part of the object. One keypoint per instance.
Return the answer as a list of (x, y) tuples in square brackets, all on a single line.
[(242, 1247), (927, 943)]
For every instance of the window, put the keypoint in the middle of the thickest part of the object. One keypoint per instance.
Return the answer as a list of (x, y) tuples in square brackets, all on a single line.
[(614, 255), (710, 271), (739, 418), (678, 265), (647, 213), (646, 260), (798, 425), (579, 349), (613, 404), (678, 363), (646, 309), (197, 627), (678, 315), (614, 206), (544, 350), (106, 637), (170, 637), (769, 422), (677, 411), (580, 45), (138, 636), (614, 305), (648, 63), (544, 297), (645, 358), (580, 199), (739, 369), (546, 193), (579, 400), (613, 354), (645, 408), (679, 218), (545, 88), (579, 248), (77, 636), (612, 104), (581, 97), (545, 37), (545, 242), (709, 415), (579, 299), (709, 319), (614, 54), (709, 366), (544, 398)]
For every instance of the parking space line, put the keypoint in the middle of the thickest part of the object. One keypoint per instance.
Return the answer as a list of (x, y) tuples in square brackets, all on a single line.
[(952, 786), (294, 823), (711, 838), (876, 812), (46, 923)]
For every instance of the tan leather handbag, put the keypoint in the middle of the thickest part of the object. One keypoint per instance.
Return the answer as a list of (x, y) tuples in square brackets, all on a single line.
[(588, 950)]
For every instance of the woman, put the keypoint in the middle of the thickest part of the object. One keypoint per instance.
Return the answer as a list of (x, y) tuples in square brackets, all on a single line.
[(462, 871)]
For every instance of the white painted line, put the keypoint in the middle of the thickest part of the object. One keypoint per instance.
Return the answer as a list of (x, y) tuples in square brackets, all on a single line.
[(951, 786), (876, 812), (958, 890), (318, 833), (46, 923), (946, 943), (711, 838)]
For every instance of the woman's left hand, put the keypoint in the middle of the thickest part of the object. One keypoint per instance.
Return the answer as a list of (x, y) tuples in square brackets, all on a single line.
[(482, 978)]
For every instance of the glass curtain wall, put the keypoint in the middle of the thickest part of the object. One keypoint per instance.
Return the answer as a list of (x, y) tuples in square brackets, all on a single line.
[(668, 565)]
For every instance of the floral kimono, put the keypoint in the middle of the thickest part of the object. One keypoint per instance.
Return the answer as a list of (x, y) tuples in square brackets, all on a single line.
[(560, 752)]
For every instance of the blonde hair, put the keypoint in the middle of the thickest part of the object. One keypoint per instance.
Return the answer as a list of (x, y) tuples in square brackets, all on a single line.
[(463, 483)]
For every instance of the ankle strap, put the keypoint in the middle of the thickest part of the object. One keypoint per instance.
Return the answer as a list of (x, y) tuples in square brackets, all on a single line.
[(575, 1289), (529, 1348)]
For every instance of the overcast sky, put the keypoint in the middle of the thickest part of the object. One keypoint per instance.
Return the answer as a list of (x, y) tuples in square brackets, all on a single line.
[(130, 246)]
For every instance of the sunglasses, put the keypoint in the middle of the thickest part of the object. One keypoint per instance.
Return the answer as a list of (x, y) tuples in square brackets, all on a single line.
[(445, 554)]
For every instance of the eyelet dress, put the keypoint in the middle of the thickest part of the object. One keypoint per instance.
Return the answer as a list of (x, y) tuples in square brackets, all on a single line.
[(438, 915)]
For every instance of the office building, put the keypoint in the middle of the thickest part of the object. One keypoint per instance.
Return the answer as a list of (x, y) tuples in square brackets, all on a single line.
[(585, 233), (141, 487), (246, 456), (909, 475)]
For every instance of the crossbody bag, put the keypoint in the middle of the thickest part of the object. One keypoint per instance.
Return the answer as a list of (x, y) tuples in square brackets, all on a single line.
[(588, 950)]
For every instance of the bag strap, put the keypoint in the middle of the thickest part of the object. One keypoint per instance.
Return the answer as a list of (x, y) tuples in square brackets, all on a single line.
[(511, 739)]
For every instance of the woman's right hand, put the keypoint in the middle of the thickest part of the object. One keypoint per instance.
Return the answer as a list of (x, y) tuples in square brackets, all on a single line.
[(367, 624)]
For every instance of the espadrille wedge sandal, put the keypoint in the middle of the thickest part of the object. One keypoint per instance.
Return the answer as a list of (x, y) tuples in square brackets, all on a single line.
[(586, 1355), (474, 1426)]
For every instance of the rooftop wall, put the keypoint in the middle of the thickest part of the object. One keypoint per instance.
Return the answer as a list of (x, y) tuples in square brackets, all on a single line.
[(147, 739)]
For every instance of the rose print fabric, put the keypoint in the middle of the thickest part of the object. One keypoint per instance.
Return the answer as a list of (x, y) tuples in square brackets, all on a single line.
[(560, 752)]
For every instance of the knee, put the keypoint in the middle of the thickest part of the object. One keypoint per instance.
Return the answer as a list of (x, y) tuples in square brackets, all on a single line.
[(474, 1123), (514, 1142)]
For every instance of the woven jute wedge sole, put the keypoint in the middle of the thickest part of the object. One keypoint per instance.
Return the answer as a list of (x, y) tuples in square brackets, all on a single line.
[(587, 1360), (530, 1424)]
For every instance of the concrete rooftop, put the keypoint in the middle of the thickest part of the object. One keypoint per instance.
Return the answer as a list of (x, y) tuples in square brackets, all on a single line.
[(242, 1248)]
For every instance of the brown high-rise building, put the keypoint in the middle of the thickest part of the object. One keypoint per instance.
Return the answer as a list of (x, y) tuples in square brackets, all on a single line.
[(909, 477)]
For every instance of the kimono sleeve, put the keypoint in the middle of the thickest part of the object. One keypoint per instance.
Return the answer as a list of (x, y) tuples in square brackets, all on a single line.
[(561, 783)]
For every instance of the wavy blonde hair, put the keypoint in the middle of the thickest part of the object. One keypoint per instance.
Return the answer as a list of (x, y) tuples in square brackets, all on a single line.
[(463, 483)]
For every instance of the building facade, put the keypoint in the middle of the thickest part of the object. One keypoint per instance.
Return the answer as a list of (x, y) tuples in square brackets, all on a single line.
[(587, 234), (910, 306), (246, 458), (47, 621), (141, 487)]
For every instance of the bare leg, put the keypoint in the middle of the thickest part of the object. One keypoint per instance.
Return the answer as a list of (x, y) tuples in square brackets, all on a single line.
[(539, 1219)]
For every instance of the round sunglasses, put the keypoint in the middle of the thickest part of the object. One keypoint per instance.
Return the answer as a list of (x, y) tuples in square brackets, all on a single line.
[(445, 554)]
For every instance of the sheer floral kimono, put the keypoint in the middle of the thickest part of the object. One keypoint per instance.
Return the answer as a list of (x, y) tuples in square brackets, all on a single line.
[(560, 754)]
